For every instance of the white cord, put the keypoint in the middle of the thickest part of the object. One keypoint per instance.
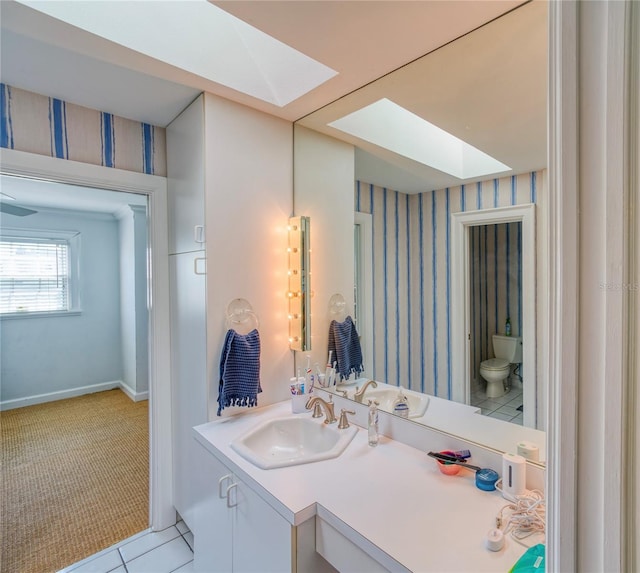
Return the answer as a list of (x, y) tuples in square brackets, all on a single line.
[(524, 516)]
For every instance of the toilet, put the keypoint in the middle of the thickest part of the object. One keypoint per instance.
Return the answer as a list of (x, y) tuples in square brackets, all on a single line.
[(508, 351)]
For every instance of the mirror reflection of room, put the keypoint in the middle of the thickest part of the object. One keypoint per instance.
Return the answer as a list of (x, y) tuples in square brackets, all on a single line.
[(406, 217), (411, 320), (496, 318)]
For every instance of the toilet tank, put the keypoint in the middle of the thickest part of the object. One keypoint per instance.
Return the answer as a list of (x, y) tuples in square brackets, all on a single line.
[(508, 348)]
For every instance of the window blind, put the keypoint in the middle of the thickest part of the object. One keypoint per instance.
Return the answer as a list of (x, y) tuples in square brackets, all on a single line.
[(34, 275)]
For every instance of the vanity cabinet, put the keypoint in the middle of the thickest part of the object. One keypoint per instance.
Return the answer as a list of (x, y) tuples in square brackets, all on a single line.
[(236, 530), (186, 174), (188, 371), (188, 293), (213, 521), (340, 513), (345, 555)]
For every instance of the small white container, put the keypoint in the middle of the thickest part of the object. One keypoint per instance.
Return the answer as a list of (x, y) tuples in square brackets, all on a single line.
[(514, 476), (529, 451), (298, 402)]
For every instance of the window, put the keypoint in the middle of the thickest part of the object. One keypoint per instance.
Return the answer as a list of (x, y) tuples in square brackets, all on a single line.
[(36, 272)]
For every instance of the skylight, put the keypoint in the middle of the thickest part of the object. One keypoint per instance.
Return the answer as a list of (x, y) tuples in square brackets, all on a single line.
[(200, 38), (395, 128)]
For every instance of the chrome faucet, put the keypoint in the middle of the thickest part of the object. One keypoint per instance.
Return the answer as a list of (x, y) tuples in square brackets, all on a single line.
[(329, 415), (359, 395)]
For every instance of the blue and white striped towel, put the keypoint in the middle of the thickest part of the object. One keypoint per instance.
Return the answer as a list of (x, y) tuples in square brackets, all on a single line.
[(239, 370), (345, 344)]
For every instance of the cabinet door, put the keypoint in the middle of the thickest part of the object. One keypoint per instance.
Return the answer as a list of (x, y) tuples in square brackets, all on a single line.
[(185, 179), (213, 520), (262, 537), (188, 372)]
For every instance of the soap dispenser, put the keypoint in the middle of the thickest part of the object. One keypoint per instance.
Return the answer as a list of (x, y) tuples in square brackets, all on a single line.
[(401, 405), (373, 423)]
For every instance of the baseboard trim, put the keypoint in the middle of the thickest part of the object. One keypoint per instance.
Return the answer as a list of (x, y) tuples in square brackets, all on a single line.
[(60, 395), (133, 395)]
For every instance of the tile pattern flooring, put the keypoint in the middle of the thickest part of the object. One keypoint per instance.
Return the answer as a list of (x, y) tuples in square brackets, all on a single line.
[(502, 408), (167, 551)]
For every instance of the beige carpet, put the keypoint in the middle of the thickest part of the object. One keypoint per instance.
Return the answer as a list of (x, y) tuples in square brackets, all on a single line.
[(75, 477)]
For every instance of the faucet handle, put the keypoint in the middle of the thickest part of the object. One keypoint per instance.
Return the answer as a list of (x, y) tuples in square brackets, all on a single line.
[(344, 421), (343, 392), (317, 410)]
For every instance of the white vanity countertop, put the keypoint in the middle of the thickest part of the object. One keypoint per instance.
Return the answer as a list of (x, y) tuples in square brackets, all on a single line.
[(472, 425), (469, 424), (392, 496)]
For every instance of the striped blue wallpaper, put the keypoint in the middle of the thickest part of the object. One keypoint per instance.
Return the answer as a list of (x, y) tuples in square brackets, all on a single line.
[(412, 276), (58, 126), (49, 126)]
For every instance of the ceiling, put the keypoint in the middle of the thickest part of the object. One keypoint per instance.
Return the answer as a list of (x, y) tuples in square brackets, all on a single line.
[(363, 40), (489, 88), (34, 193)]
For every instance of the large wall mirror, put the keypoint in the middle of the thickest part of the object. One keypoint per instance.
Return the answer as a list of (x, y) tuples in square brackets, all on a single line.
[(446, 306)]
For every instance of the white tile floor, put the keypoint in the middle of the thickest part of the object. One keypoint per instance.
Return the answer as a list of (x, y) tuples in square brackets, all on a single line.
[(502, 408), (167, 551)]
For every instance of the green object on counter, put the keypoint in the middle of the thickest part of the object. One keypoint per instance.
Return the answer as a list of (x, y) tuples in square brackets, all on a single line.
[(531, 562)]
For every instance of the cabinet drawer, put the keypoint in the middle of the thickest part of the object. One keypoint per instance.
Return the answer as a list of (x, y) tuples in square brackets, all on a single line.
[(342, 553)]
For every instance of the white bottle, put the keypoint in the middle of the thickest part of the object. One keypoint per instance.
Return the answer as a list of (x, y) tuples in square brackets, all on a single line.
[(373, 423)]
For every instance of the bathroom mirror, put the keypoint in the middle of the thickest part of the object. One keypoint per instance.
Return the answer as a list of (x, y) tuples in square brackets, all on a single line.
[(487, 88)]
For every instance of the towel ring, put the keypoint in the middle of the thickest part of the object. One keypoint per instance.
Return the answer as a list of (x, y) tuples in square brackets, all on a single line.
[(338, 308), (241, 316)]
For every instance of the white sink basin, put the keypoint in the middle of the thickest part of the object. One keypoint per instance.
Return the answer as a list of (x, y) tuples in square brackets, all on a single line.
[(387, 397), (292, 440)]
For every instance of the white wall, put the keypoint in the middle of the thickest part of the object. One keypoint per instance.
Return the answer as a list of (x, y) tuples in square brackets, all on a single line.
[(140, 243), (56, 355), (134, 315), (246, 167), (602, 214), (324, 175), (249, 191), (591, 483)]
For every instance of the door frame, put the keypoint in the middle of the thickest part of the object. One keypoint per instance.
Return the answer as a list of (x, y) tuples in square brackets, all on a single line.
[(461, 224), (365, 314), (23, 164)]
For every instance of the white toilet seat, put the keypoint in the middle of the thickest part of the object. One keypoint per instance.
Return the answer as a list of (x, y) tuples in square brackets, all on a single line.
[(495, 371), (494, 364)]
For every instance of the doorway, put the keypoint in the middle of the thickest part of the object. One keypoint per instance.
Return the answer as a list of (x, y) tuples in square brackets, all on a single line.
[(74, 393), (363, 287), (462, 299), (22, 164)]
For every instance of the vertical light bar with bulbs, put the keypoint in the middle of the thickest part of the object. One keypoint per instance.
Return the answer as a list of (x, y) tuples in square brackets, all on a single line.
[(299, 284)]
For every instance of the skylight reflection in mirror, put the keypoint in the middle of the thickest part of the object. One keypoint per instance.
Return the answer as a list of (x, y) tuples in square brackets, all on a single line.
[(388, 125)]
